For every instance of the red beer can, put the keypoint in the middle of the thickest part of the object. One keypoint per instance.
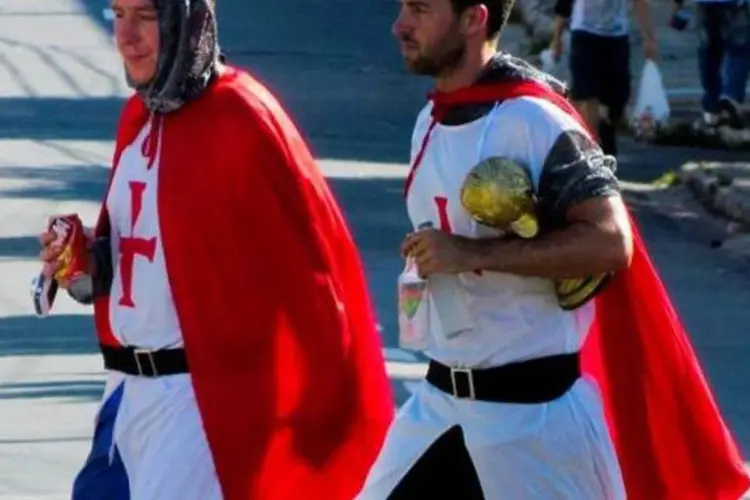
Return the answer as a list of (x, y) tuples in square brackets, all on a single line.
[(72, 241)]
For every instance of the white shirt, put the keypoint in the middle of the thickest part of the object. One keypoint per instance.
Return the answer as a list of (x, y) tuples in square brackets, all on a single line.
[(601, 17), (142, 312), (512, 318), (158, 429)]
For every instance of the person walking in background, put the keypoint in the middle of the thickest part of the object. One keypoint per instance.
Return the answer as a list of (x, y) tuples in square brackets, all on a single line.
[(723, 56), (600, 58)]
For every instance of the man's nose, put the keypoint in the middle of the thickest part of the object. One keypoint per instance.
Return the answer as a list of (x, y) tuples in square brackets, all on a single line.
[(399, 26), (127, 31)]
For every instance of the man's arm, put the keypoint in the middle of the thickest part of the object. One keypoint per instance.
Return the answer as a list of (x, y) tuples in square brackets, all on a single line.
[(643, 15), (586, 225), (596, 240), (579, 201), (563, 10)]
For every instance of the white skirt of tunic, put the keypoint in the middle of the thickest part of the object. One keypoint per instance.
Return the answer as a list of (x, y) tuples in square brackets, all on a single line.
[(159, 435), (559, 450)]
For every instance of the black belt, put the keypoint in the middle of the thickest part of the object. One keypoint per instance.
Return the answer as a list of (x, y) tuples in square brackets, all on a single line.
[(144, 362), (537, 380)]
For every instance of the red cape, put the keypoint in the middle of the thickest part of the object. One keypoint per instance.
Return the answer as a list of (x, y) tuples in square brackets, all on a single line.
[(671, 441), (272, 301)]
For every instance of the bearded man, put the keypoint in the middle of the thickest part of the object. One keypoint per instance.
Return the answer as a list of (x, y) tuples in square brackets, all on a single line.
[(528, 396)]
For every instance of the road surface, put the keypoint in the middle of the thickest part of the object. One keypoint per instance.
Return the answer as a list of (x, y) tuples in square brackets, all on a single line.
[(336, 68)]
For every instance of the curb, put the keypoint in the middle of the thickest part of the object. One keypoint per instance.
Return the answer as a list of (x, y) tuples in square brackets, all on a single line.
[(683, 131), (680, 206), (727, 217), (717, 192)]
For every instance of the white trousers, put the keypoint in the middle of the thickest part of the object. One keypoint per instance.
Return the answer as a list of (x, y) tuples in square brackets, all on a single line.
[(559, 450), (159, 437)]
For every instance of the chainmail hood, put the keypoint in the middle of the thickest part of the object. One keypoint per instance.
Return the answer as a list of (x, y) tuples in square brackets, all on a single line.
[(188, 57)]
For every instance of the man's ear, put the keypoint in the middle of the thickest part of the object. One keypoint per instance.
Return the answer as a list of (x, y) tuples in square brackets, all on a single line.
[(474, 19)]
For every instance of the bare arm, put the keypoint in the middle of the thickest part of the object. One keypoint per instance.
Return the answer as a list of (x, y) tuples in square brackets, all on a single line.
[(597, 239), (643, 15), (587, 228), (558, 28), (563, 9), (585, 225)]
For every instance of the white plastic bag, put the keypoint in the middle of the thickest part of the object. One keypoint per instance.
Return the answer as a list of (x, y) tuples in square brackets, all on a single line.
[(651, 110), (557, 68)]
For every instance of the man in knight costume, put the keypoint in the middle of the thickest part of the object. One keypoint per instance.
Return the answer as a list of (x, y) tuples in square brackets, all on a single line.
[(554, 351), (231, 309)]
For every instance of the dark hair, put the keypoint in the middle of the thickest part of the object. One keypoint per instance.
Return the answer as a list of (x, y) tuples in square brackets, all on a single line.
[(499, 11)]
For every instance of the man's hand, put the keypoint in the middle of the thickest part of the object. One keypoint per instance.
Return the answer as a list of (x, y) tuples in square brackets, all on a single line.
[(50, 254), (436, 251), (556, 48)]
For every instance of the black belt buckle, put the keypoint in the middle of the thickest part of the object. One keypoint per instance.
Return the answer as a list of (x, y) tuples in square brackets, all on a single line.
[(466, 375), (145, 359)]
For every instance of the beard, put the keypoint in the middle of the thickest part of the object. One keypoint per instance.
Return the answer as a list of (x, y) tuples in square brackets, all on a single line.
[(440, 59)]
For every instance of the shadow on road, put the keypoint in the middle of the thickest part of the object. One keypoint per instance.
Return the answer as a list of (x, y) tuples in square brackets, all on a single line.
[(56, 334), (58, 183), (19, 247), (86, 118), (374, 208), (82, 390)]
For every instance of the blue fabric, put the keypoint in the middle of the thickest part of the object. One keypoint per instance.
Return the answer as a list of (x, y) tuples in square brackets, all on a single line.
[(723, 51), (99, 478)]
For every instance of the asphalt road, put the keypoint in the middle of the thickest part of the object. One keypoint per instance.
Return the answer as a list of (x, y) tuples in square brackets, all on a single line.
[(336, 68)]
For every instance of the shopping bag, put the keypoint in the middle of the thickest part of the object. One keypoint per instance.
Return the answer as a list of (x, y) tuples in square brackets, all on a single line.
[(556, 67), (651, 110)]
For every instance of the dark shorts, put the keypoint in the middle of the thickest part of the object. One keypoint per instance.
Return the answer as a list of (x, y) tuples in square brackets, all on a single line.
[(600, 69)]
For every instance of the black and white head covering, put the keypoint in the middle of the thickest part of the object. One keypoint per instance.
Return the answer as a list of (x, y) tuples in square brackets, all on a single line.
[(188, 56)]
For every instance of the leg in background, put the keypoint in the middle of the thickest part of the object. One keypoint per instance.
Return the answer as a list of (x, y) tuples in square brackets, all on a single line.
[(736, 30), (710, 55), (586, 75), (614, 96)]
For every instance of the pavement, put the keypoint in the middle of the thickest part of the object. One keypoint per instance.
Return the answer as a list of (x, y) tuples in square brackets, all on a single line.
[(722, 191), (341, 78)]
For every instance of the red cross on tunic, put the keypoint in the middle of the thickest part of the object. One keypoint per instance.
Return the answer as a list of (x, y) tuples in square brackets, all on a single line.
[(133, 246)]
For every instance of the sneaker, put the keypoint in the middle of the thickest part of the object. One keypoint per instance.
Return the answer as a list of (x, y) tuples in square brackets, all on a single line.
[(730, 113), (711, 119)]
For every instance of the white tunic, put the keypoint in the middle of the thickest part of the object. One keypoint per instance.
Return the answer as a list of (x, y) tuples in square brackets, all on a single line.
[(158, 430), (560, 449)]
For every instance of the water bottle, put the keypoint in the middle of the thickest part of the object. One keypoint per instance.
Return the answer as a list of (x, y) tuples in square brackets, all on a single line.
[(448, 302), (413, 309)]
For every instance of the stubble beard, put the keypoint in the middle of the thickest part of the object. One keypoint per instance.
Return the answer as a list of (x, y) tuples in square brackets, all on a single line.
[(440, 61)]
